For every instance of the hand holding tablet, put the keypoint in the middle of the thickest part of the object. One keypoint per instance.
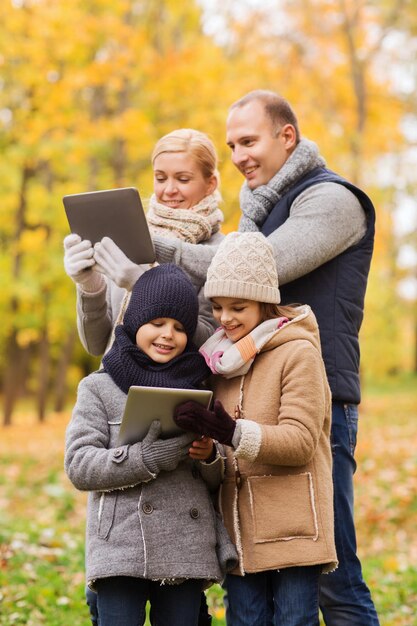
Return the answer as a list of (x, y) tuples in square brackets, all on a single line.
[(111, 261)]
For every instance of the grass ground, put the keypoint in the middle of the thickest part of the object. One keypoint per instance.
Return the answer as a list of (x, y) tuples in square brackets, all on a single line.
[(42, 516)]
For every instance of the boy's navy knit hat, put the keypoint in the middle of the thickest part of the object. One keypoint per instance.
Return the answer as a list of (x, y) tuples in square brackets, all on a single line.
[(162, 291)]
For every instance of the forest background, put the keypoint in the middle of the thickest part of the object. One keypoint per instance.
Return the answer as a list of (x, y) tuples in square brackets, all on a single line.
[(88, 86)]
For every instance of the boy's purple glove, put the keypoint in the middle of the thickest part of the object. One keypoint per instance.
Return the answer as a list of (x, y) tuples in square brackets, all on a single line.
[(216, 424)]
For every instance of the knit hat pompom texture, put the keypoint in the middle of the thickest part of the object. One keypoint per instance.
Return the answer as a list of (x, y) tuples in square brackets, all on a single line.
[(243, 267), (162, 291)]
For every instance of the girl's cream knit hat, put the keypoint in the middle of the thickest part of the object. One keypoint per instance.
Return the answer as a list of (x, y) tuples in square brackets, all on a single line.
[(243, 267)]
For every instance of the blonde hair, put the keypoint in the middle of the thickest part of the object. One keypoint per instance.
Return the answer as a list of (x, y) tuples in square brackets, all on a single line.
[(193, 142), (270, 311)]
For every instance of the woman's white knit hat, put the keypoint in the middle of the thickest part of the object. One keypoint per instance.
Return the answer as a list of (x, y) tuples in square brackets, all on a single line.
[(243, 267)]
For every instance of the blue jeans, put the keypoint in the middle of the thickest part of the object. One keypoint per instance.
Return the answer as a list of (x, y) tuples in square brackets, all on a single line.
[(204, 617), (121, 601), (91, 599), (293, 592), (345, 600)]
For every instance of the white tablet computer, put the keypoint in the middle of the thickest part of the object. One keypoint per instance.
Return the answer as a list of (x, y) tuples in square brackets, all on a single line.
[(146, 404), (114, 213)]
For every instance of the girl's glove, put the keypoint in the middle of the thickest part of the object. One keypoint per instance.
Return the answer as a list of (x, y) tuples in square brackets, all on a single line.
[(78, 261), (164, 454), (113, 262), (216, 424)]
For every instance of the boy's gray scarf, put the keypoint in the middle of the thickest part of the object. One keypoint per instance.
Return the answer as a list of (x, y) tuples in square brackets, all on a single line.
[(257, 204)]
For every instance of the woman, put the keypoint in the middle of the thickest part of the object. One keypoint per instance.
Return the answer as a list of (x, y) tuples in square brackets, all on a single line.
[(185, 205)]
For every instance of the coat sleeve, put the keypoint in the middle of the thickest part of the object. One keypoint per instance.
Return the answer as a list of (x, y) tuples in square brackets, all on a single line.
[(212, 473), (324, 221), (304, 407), (193, 258), (89, 463), (94, 319)]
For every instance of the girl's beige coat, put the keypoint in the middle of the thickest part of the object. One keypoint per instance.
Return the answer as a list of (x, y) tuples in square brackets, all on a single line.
[(282, 514)]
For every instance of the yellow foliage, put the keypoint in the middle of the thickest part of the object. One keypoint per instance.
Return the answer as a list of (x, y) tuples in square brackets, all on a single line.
[(33, 241), (27, 336), (220, 612)]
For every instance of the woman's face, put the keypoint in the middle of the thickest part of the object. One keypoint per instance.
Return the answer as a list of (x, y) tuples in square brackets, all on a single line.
[(179, 182)]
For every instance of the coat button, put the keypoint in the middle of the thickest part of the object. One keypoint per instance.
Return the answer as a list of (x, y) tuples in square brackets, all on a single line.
[(118, 453), (194, 513), (147, 508)]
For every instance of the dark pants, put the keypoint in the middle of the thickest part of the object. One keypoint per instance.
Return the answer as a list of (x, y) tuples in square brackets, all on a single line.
[(292, 594), (204, 617), (91, 598), (345, 600), (121, 601)]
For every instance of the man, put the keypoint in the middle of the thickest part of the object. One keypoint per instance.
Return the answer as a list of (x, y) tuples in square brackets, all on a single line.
[(322, 229)]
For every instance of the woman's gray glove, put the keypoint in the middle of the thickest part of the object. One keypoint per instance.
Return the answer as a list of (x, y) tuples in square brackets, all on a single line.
[(113, 262), (164, 454), (78, 263)]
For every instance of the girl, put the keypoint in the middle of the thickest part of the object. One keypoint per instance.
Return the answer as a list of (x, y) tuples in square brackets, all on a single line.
[(185, 205), (272, 411), (152, 533)]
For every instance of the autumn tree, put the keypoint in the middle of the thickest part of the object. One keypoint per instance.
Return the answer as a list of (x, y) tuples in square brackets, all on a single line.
[(87, 89)]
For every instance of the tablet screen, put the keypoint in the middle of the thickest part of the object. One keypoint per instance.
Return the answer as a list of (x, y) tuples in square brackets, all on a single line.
[(146, 404), (114, 213)]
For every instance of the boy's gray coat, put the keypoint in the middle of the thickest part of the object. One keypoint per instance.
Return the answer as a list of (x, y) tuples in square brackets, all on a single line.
[(138, 525)]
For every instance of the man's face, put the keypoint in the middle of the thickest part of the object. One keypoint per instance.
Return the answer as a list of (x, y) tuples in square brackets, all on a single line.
[(258, 151)]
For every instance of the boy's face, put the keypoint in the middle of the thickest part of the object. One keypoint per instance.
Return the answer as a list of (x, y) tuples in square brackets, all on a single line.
[(162, 339), (237, 317)]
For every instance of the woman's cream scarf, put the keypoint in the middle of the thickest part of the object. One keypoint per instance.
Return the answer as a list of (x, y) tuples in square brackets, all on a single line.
[(193, 225)]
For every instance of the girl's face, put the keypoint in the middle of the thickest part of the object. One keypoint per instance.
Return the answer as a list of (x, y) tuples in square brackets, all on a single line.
[(162, 339), (237, 317), (179, 182)]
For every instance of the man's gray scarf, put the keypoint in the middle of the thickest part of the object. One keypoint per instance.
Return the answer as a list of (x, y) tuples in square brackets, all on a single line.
[(257, 204)]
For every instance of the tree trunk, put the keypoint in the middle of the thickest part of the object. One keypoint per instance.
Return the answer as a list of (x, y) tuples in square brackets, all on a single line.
[(13, 360), (11, 378), (61, 372), (44, 362)]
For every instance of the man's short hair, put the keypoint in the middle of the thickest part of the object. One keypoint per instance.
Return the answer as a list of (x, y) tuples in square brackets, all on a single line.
[(277, 108)]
